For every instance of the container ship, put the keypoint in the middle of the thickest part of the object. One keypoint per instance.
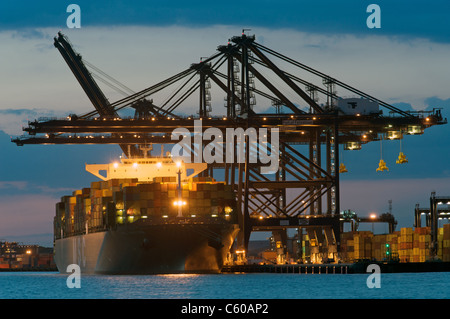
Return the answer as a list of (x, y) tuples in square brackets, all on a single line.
[(148, 215)]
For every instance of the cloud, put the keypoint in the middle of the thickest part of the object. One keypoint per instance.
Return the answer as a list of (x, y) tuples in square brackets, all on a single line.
[(30, 33), (393, 69), (13, 120), (27, 187), (435, 102), (55, 190), (20, 185)]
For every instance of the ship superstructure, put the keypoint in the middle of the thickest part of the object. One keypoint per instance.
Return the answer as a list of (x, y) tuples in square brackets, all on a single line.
[(146, 168)]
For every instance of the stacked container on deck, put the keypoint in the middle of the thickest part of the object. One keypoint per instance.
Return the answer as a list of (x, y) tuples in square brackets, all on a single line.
[(90, 209)]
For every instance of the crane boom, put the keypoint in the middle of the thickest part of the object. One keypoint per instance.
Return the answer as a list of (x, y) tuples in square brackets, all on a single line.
[(87, 82), (90, 87)]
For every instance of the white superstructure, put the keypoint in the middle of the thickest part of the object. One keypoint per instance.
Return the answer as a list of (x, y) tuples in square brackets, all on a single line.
[(354, 106), (145, 169)]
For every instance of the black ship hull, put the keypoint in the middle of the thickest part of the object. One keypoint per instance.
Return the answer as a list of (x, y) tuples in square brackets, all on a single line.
[(144, 247)]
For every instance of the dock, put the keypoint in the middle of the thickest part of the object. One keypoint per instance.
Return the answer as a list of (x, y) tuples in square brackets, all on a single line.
[(290, 268), (351, 268)]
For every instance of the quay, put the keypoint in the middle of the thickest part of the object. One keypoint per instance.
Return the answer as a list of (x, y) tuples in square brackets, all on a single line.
[(349, 268), (290, 268)]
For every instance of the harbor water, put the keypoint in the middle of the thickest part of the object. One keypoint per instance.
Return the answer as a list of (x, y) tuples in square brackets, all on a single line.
[(52, 285)]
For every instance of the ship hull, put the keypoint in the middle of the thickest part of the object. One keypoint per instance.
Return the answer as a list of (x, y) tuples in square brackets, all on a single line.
[(146, 248)]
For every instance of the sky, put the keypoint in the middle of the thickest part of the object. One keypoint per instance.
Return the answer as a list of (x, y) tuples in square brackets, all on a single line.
[(404, 63)]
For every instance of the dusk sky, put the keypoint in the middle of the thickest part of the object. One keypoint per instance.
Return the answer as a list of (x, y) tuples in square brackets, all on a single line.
[(406, 63)]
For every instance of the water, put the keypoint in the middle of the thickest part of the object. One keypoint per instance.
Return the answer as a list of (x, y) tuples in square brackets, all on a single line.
[(49, 285)]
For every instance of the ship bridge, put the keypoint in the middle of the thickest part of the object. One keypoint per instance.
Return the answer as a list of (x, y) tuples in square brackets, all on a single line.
[(147, 169)]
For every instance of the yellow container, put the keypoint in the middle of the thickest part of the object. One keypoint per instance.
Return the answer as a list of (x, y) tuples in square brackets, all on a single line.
[(77, 192), (406, 231), (446, 243), (106, 193), (172, 194), (95, 185)]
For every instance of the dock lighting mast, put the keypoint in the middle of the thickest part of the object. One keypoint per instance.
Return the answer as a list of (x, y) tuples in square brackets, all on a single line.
[(180, 200)]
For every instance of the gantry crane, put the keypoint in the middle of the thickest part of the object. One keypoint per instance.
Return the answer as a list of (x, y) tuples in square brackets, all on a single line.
[(304, 191), (432, 216), (350, 216)]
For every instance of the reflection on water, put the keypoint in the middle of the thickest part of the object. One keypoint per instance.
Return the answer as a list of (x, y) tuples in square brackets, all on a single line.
[(177, 276), (185, 277)]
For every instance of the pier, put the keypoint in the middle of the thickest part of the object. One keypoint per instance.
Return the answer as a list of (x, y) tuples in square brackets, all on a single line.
[(290, 268), (352, 268)]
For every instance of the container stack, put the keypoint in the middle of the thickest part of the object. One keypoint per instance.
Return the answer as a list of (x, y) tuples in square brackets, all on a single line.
[(405, 251), (440, 243), (446, 243), (392, 240), (58, 221), (69, 214), (306, 246), (414, 244), (409, 244), (82, 208), (362, 242), (379, 246), (347, 246), (119, 201), (421, 244), (209, 198)]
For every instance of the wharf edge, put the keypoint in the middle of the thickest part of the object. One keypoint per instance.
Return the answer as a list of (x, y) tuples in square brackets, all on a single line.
[(355, 268)]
